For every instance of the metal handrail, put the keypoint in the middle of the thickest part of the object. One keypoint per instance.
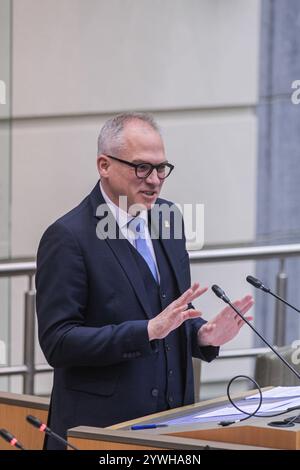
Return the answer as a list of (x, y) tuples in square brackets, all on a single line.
[(9, 268), (245, 253), (20, 268), (23, 370), (242, 353), (214, 255)]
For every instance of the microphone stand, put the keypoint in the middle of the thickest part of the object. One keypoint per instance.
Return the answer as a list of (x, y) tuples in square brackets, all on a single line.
[(221, 294), (37, 423), (11, 439), (259, 285)]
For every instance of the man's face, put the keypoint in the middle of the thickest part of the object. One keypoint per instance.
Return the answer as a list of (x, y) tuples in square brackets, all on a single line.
[(143, 145)]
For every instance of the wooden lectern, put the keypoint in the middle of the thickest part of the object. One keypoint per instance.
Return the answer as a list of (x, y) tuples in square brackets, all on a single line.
[(13, 411), (254, 433), (251, 434)]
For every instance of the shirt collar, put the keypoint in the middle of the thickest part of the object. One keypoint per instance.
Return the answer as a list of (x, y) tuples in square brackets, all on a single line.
[(121, 216)]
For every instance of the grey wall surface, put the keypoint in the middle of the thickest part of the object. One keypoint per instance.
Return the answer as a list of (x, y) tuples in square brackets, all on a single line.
[(278, 200), (5, 177), (80, 57), (193, 63)]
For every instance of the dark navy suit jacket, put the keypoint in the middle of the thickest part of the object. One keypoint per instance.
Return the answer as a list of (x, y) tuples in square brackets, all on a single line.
[(93, 313)]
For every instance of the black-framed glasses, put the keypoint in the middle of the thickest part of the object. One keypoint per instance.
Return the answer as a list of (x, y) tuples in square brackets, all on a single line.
[(143, 170)]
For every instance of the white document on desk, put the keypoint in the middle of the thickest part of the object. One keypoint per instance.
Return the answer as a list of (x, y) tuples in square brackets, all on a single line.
[(275, 407), (278, 392)]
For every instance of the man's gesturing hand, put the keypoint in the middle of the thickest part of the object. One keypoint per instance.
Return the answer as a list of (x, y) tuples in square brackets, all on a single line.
[(226, 325), (175, 313)]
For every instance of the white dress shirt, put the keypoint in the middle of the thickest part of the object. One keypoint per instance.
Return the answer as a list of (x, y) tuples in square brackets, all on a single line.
[(123, 218)]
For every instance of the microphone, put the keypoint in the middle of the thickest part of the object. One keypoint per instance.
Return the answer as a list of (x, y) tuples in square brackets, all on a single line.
[(12, 440), (37, 423), (221, 294), (259, 285)]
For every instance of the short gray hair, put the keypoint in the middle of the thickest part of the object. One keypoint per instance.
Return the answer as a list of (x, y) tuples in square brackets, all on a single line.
[(111, 140)]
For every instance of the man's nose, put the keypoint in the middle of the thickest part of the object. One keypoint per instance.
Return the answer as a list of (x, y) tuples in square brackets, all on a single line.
[(153, 178)]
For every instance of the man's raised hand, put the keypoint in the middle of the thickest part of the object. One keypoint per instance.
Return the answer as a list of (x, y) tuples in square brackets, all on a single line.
[(175, 313)]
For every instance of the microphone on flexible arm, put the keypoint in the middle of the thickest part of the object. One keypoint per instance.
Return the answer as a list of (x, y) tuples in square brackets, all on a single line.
[(11, 439), (221, 294), (259, 285), (37, 423)]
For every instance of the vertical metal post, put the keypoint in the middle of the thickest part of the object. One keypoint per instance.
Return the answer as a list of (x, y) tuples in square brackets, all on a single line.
[(197, 378), (280, 309), (29, 340)]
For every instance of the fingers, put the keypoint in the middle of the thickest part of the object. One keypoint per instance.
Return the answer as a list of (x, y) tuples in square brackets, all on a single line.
[(248, 297), (184, 298), (198, 292), (241, 322), (230, 315), (189, 295), (180, 308), (245, 308), (243, 301), (175, 314), (247, 302), (244, 304), (191, 313)]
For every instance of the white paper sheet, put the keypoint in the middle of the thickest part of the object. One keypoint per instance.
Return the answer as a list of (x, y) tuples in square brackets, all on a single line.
[(281, 405), (278, 392)]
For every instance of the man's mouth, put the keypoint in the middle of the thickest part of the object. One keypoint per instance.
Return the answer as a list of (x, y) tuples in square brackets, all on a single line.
[(149, 193)]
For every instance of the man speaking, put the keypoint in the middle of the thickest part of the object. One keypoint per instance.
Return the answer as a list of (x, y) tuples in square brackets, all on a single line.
[(114, 295)]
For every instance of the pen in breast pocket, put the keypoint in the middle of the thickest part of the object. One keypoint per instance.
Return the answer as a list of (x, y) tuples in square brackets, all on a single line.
[(147, 426)]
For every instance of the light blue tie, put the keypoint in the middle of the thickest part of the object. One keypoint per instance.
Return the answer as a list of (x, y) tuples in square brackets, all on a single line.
[(137, 225)]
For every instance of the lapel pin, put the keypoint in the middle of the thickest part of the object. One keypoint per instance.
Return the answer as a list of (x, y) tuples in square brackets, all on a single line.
[(167, 225)]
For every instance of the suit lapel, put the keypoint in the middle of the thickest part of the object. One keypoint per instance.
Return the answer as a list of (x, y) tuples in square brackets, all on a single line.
[(120, 248), (160, 228)]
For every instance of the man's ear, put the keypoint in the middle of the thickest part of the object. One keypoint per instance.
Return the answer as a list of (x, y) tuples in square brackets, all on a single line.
[(102, 165)]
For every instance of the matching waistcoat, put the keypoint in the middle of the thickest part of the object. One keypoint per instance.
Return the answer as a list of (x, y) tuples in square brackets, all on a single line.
[(170, 371)]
